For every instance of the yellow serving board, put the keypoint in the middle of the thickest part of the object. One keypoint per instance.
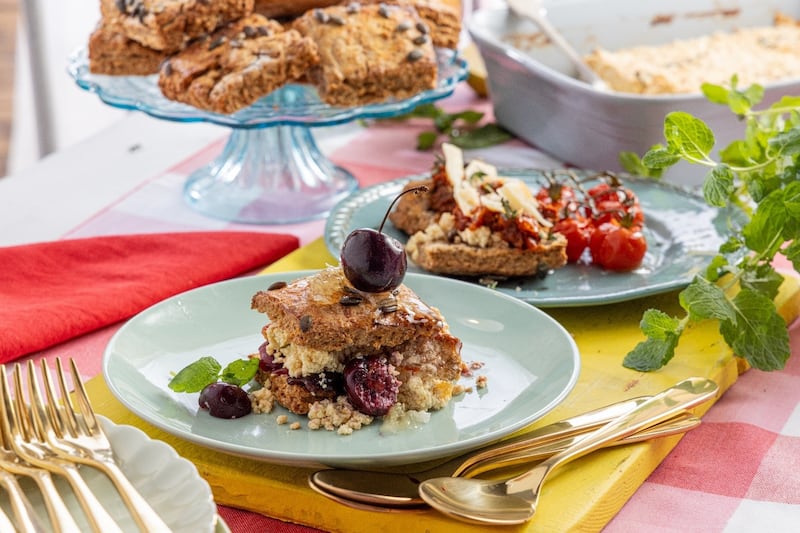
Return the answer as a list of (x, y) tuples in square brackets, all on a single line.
[(584, 496)]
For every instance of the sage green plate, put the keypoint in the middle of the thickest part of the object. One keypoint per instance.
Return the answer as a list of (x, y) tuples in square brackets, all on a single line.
[(682, 233), (530, 361)]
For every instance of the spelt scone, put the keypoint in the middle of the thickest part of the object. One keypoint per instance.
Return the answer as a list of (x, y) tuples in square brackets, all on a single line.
[(237, 65), (473, 222), (322, 332), (114, 54), (442, 17), (369, 53), (169, 24), (289, 8), (757, 55)]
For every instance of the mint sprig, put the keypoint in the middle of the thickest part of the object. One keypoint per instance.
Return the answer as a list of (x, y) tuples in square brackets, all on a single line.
[(461, 128), (760, 175), (197, 375)]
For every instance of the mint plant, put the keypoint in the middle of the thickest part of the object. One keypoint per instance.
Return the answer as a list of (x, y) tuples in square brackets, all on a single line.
[(760, 174)]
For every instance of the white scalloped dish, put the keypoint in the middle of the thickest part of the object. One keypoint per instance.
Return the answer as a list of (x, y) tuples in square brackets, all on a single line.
[(171, 484)]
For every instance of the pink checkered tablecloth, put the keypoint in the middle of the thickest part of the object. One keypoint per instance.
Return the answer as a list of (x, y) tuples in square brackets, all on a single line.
[(738, 472)]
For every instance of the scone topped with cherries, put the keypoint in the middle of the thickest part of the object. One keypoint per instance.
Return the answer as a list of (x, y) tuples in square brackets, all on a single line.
[(330, 346)]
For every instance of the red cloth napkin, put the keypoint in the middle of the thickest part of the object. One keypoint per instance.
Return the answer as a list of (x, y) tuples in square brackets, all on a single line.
[(51, 292)]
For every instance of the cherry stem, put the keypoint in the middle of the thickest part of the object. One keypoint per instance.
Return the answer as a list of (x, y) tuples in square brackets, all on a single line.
[(415, 190)]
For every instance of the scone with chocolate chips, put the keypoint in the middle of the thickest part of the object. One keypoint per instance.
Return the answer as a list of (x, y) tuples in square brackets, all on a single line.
[(369, 53), (114, 54), (235, 66), (168, 25)]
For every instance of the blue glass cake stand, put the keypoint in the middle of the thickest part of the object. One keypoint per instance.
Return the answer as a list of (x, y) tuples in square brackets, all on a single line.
[(270, 170)]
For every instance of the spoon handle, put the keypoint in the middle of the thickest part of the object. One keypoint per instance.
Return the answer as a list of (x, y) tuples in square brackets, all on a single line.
[(536, 12), (662, 406), (568, 427), (679, 424)]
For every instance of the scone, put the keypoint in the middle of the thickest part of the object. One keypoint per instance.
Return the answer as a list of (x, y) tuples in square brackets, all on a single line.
[(238, 64), (329, 344), (369, 53), (292, 8), (169, 24), (443, 18), (114, 54), (473, 222)]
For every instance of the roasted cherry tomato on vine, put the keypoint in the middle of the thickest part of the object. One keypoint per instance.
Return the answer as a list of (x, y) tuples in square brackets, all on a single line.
[(614, 202), (557, 200), (616, 247), (577, 231), (608, 210)]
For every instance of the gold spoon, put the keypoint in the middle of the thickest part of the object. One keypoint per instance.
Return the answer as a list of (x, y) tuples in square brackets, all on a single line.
[(514, 501), (387, 491), (400, 487)]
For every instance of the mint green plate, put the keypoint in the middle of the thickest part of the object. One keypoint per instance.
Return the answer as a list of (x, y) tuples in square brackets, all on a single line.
[(683, 234), (530, 361)]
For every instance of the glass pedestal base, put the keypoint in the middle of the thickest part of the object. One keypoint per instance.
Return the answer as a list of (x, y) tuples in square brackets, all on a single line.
[(273, 175)]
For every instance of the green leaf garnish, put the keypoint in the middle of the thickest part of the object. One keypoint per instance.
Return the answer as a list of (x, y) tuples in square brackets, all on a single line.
[(461, 128), (758, 175), (195, 376), (240, 372)]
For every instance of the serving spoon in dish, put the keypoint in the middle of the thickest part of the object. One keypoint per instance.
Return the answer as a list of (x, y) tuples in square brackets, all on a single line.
[(514, 501), (535, 11), (396, 491)]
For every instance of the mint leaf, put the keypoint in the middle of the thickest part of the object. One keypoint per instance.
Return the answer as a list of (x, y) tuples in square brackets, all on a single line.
[(792, 253), (716, 267), (763, 279), (663, 333), (195, 376), (766, 224), (786, 143), (240, 372), (659, 158), (659, 325), (791, 199), (703, 299), (758, 332), (740, 153), (715, 93), (426, 140), (651, 354), (487, 135), (468, 116), (718, 186), (460, 127), (688, 136)]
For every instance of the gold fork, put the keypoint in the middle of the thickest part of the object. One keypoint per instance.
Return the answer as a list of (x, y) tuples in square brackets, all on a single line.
[(61, 519), (26, 518), (5, 522), (82, 438), (29, 446)]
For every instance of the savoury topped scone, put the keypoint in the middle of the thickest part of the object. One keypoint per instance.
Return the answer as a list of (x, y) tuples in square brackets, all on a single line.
[(474, 222)]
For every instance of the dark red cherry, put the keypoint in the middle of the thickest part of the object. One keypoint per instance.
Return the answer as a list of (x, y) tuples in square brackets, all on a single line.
[(224, 400), (370, 385), (373, 261)]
